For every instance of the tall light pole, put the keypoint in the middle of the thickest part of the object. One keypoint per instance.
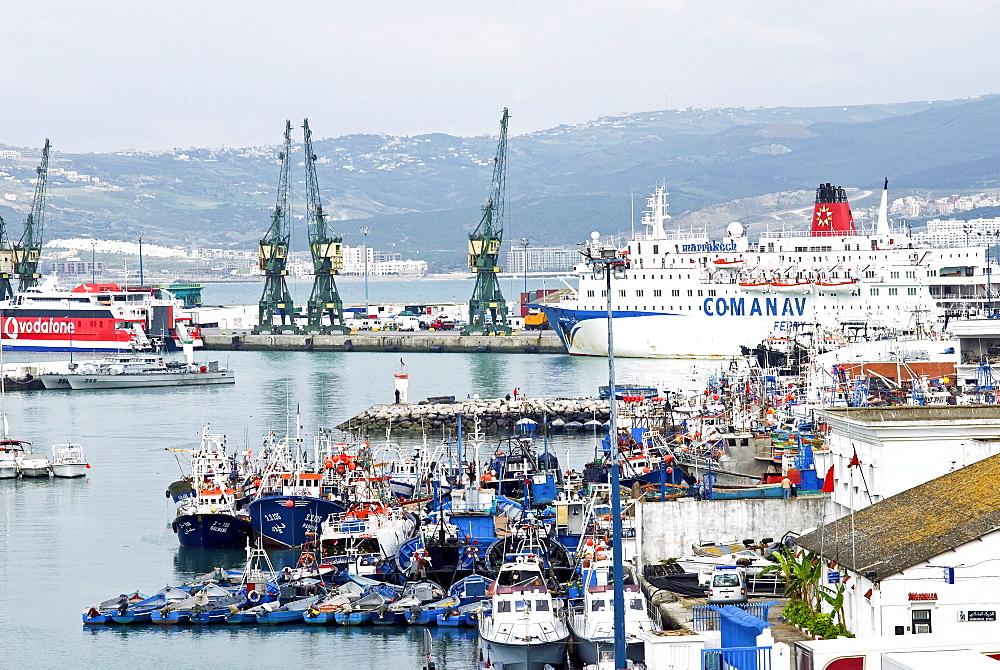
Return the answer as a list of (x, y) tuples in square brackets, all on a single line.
[(605, 261), (524, 243), (364, 231), (93, 265)]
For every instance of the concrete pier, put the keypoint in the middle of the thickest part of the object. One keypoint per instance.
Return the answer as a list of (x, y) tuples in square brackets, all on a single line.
[(495, 414), (390, 341)]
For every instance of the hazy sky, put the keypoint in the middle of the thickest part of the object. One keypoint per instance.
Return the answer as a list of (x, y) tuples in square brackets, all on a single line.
[(115, 74)]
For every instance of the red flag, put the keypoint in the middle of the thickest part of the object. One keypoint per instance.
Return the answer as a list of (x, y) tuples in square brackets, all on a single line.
[(854, 460)]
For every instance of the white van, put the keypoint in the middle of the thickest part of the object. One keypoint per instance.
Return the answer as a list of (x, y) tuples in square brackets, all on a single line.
[(409, 323)]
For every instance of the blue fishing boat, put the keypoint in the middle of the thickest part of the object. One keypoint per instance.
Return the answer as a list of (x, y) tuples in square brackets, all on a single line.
[(293, 497), (141, 612), (352, 618), (290, 612), (207, 513), (103, 612)]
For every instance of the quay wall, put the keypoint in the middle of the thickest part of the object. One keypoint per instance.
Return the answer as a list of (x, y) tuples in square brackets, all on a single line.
[(494, 414), (391, 342), (668, 529)]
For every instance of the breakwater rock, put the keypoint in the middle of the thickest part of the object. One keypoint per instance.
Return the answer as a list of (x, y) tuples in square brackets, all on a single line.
[(495, 415)]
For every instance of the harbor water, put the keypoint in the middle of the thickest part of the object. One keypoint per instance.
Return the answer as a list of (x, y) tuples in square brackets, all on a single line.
[(66, 544)]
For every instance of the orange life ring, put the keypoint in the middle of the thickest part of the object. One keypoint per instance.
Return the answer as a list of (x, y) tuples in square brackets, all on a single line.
[(307, 560)]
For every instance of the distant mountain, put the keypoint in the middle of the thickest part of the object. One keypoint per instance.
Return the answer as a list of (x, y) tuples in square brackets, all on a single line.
[(422, 195)]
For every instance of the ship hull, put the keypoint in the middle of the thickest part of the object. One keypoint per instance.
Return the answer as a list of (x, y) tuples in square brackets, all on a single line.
[(662, 335), (152, 379), (211, 530), (282, 525)]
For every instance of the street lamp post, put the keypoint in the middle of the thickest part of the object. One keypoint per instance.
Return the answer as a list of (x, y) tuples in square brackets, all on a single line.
[(605, 261), (364, 231), (524, 243)]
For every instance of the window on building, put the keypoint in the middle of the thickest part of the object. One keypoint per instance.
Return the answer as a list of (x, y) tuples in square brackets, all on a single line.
[(894, 291), (657, 293), (590, 294), (675, 293), (921, 621)]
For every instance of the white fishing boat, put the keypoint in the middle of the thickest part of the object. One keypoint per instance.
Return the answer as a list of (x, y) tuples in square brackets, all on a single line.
[(365, 537), (591, 620), (11, 452), (35, 465), (69, 461), (525, 629)]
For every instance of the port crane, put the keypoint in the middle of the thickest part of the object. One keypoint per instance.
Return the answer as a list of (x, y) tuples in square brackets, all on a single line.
[(327, 255), (27, 251), (276, 309), (487, 308), (6, 263)]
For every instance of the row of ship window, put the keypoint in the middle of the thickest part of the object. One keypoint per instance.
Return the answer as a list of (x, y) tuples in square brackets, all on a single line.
[(644, 308), (675, 293)]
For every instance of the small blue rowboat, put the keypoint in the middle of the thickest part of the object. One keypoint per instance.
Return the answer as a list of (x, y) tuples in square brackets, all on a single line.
[(389, 617), (352, 618), (170, 618), (450, 618), (317, 618), (241, 617)]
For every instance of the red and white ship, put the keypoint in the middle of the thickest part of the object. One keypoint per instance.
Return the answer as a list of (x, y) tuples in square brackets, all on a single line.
[(94, 317)]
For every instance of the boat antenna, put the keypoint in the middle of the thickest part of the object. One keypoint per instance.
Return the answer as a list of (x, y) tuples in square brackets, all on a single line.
[(142, 279)]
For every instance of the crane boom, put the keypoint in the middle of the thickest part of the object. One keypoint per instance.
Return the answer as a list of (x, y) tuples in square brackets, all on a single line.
[(276, 301), (487, 308), (29, 249), (325, 309)]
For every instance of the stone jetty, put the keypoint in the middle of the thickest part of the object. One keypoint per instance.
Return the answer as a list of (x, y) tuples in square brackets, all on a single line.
[(495, 415)]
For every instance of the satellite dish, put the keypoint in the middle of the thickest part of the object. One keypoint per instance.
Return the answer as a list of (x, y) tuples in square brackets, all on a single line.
[(735, 229)]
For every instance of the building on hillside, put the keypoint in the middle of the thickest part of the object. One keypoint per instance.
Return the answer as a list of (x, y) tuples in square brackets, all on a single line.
[(924, 560), (897, 448), (76, 267), (954, 232), (542, 259)]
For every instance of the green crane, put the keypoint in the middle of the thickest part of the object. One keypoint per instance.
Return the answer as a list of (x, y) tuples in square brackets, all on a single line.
[(276, 301), (487, 308), (7, 266), (327, 255), (28, 250)]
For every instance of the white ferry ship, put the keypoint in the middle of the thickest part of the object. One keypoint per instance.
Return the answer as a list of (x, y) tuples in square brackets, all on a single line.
[(685, 295)]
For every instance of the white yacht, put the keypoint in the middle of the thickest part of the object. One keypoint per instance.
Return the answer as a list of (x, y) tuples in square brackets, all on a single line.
[(69, 461)]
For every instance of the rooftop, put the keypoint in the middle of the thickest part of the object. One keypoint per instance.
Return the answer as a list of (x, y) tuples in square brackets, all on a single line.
[(916, 525)]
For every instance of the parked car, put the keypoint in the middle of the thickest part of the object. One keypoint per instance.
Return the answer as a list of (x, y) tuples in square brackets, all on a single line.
[(728, 586)]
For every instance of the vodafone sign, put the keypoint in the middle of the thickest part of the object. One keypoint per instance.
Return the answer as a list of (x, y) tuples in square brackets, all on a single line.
[(13, 327)]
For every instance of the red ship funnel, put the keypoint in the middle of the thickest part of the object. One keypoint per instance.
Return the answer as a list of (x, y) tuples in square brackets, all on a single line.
[(832, 213)]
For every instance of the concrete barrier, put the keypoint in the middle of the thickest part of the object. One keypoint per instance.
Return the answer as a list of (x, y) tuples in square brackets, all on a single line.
[(394, 342), (668, 529)]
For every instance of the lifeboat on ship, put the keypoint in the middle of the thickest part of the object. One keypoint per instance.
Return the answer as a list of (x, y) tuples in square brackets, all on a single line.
[(838, 286), (794, 286), (731, 264), (756, 285)]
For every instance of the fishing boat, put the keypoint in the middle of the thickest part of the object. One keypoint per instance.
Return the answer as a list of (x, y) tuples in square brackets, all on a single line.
[(34, 465), (207, 513), (101, 613), (69, 461), (291, 495), (94, 317), (591, 618), (11, 453), (366, 539), (524, 629), (141, 612)]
